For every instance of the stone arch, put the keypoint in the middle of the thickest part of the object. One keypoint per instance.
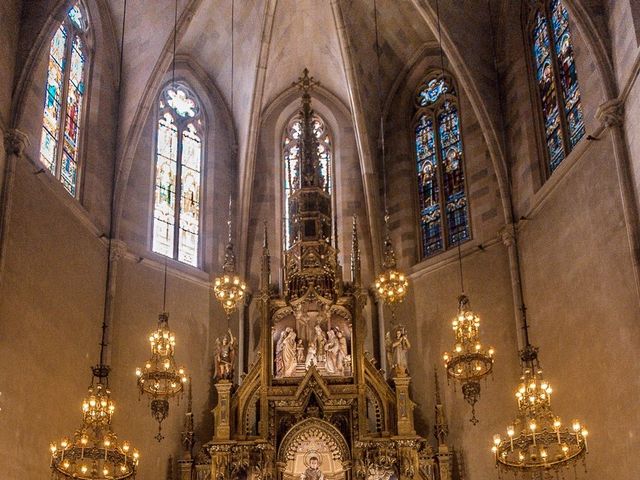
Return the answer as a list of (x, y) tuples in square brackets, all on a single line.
[(316, 427)]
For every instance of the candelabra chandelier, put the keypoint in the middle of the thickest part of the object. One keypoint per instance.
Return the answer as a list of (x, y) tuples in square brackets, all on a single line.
[(468, 362), (391, 285), (94, 451), (228, 288), (537, 441), (160, 378)]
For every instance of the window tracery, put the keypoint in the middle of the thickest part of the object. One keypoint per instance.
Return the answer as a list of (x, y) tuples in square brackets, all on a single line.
[(556, 80), (442, 198), (291, 157), (178, 166), (64, 99)]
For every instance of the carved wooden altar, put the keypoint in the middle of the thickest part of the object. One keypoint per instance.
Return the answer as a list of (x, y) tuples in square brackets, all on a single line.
[(314, 400)]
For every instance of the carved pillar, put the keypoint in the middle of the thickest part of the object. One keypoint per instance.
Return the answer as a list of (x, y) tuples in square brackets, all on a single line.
[(220, 460), (222, 411), (611, 115), (404, 406), (15, 143)]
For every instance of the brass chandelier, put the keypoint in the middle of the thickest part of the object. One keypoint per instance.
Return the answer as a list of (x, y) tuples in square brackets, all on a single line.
[(469, 362), (161, 379), (391, 285), (94, 451), (228, 288), (537, 441)]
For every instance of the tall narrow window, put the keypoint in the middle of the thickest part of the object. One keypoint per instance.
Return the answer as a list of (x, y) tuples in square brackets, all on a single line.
[(64, 95), (176, 213), (442, 198), (556, 80), (291, 157)]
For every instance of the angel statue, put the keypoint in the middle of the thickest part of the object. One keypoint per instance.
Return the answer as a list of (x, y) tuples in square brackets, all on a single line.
[(225, 356)]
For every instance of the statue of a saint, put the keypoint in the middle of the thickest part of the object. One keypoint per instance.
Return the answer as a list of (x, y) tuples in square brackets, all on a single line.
[(331, 349), (313, 471), (342, 350), (225, 356), (312, 356), (289, 354), (320, 339), (400, 346), (300, 351)]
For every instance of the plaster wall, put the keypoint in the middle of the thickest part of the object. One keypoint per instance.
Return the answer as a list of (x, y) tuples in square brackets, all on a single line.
[(429, 310), (51, 302), (578, 280)]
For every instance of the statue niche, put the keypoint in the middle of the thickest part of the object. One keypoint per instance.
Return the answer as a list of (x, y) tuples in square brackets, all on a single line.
[(313, 450), (312, 335)]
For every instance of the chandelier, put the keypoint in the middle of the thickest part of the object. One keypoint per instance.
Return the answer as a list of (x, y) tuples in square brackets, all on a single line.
[(468, 362), (228, 288), (160, 378), (94, 451), (537, 441), (391, 285)]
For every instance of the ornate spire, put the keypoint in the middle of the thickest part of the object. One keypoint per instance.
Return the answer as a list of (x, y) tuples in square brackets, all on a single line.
[(188, 434), (265, 271), (355, 254), (311, 261), (441, 427)]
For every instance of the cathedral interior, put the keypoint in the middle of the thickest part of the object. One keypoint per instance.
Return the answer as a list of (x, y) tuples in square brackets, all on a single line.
[(319, 240)]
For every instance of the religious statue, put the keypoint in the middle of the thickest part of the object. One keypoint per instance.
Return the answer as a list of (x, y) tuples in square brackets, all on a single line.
[(300, 351), (396, 350), (319, 340), (312, 356), (342, 350), (331, 349), (289, 354), (313, 471), (225, 356)]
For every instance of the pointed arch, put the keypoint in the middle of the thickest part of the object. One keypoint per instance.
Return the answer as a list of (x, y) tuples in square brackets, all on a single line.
[(64, 104)]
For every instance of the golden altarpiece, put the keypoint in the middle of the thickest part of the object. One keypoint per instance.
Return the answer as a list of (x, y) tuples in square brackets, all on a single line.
[(314, 405)]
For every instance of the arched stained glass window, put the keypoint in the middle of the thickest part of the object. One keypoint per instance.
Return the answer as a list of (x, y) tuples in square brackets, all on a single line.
[(291, 157), (556, 80), (63, 103), (176, 212), (442, 198)]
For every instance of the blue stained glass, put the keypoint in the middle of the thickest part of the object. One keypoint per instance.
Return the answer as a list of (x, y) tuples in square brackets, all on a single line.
[(567, 70), (453, 174), (559, 91), (75, 15), (432, 90), (428, 186), (547, 91)]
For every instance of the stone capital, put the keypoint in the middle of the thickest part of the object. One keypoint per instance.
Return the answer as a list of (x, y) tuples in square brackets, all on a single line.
[(611, 113), (15, 142)]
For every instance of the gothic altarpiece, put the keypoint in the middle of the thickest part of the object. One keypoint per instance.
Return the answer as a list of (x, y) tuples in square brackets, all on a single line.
[(314, 406)]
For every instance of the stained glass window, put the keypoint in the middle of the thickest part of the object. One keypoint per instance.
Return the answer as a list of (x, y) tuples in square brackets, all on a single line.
[(442, 198), (176, 213), (556, 80), (291, 157), (64, 94)]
